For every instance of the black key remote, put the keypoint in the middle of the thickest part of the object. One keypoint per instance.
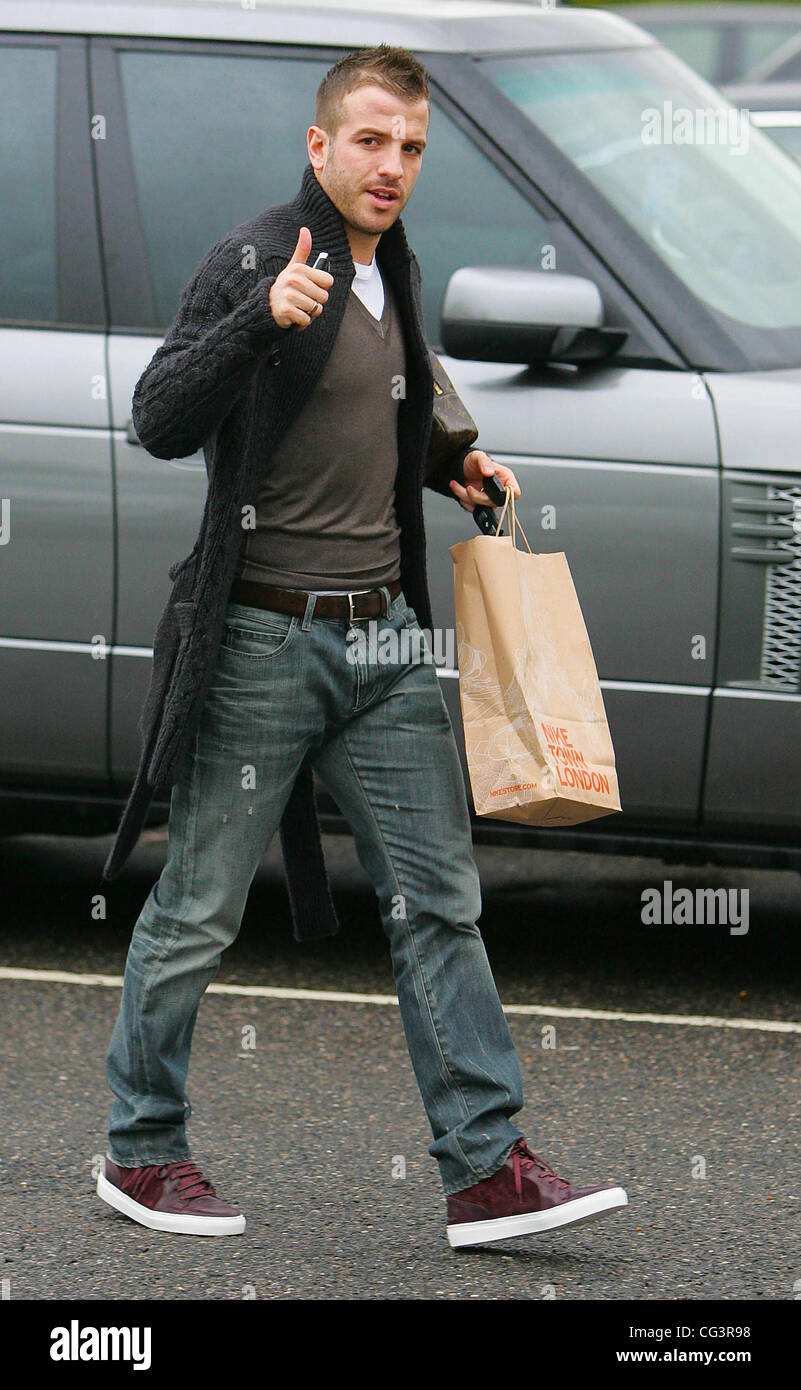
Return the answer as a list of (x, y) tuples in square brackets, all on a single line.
[(484, 517)]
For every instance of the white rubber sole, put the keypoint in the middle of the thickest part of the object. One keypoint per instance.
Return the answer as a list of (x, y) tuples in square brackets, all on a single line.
[(166, 1221), (533, 1222)]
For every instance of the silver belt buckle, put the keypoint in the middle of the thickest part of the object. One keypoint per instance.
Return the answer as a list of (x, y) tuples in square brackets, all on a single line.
[(351, 614)]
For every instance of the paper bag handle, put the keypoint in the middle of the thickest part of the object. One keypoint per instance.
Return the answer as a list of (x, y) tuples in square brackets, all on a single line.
[(510, 503)]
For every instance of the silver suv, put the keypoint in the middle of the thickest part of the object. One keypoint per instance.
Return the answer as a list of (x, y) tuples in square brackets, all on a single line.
[(644, 380)]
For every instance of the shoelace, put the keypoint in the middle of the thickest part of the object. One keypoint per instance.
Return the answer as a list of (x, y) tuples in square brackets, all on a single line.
[(523, 1158), (191, 1183)]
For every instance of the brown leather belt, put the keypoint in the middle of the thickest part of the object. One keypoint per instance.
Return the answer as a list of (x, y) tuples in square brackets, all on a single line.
[(357, 603)]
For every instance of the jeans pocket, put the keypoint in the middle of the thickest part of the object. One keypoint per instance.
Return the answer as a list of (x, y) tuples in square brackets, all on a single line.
[(256, 634)]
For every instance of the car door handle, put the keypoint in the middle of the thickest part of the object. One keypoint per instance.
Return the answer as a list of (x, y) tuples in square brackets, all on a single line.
[(131, 435)]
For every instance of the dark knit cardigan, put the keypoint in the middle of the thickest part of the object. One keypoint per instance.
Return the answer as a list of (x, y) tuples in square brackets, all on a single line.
[(229, 380)]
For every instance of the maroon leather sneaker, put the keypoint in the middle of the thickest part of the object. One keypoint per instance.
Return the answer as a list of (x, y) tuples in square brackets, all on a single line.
[(169, 1197), (525, 1196)]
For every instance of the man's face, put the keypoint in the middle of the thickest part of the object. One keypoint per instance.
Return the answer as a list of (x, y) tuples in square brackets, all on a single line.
[(370, 167)]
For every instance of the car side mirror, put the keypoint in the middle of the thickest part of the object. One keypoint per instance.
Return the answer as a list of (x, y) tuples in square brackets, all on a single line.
[(505, 314)]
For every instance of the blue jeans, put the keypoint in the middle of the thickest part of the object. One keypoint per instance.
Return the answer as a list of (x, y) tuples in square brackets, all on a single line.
[(380, 738)]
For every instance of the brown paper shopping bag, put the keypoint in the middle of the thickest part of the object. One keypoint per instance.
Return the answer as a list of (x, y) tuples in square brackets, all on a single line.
[(536, 737)]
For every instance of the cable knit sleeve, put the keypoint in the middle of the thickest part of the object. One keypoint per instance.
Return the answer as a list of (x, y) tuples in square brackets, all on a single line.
[(438, 479), (223, 325)]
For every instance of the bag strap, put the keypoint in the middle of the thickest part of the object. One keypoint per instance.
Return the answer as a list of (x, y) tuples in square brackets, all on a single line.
[(510, 503)]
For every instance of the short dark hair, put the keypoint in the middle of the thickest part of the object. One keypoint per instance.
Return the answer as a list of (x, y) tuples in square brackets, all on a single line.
[(395, 69)]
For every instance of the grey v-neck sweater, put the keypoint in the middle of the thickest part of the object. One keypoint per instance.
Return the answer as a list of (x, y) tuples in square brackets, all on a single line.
[(325, 513)]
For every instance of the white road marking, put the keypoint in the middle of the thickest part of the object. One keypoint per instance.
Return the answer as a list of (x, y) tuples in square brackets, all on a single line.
[(334, 996)]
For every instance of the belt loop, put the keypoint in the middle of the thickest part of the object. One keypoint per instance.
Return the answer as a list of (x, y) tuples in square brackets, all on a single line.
[(387, 599), (307, 616)]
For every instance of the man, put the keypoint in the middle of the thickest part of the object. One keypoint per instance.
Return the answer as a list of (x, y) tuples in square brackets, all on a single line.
[(329, 521)]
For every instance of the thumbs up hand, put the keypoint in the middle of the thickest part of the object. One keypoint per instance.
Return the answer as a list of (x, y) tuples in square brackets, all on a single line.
[(299, 292)]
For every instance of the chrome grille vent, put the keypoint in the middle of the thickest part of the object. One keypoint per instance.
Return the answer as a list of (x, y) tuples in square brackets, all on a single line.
[(781, 641)]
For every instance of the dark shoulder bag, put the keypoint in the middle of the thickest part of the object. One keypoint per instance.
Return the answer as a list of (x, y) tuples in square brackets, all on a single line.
[(452, 426)]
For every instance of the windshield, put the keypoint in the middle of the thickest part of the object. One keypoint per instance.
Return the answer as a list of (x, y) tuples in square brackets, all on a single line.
[(711, 194)]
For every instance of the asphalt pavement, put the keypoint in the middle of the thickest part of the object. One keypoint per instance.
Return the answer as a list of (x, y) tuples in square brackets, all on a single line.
[(316, 1129)]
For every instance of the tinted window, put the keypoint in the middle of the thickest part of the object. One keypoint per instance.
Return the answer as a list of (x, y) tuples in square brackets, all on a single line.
[(215, 139), (788, 136), (790, 70), (463, 211), (28, 281), (698, 44), (718, 203), (759, 41)]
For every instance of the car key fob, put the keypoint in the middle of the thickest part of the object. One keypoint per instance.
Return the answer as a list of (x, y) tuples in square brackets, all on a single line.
[(484, 517), (321, 263), (494, 489)]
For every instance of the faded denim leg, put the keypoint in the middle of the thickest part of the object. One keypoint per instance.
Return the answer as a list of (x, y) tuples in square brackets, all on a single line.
[(394, 770), (251, 730)]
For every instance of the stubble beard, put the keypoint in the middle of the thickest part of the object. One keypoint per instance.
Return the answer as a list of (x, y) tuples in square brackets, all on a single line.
[(343, 193)]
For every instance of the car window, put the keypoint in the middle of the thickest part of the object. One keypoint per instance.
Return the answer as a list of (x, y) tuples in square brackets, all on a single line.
[(28, 261), (464, 211), (788, 136), (707, 191), (759, 41), (698, 44), (215, 138), (220, 137), (790, 70)]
